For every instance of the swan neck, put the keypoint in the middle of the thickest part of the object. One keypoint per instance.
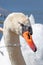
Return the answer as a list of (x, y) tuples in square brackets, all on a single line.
[(14, 53)]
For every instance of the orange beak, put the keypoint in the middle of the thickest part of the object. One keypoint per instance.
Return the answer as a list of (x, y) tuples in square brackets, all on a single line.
[(29, 40)]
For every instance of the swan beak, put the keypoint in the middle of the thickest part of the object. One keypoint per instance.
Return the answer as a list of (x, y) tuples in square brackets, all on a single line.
[(29, 40)]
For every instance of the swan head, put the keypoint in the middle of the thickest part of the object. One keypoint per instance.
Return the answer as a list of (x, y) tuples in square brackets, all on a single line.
[(27, 34), (20, 24)]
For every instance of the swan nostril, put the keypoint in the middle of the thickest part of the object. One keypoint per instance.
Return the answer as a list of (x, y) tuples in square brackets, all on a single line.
[(28, 36), (35, 50)]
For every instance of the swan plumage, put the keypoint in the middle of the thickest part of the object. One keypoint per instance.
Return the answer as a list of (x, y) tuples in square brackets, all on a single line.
[(11, 32), (29, 56)]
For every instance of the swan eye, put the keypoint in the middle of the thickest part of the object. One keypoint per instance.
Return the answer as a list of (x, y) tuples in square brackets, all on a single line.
[(21, 24), (26, 28)]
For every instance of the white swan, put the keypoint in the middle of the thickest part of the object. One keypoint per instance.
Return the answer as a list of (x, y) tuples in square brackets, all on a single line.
[(11, 31), (29, 57)]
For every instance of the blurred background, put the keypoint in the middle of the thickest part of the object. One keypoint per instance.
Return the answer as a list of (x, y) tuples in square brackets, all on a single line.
[(28, 7)]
